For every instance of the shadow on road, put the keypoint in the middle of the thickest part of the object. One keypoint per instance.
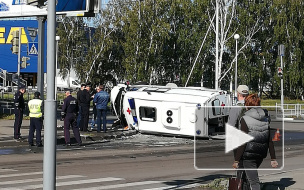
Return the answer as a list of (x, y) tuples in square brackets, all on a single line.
[(281, 185), (201, 180)]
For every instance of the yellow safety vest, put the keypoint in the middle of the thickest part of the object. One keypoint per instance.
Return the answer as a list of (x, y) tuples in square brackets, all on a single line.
[(35, 108)]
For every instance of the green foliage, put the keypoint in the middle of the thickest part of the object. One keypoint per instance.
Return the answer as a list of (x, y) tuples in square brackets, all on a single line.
[(158, 42)]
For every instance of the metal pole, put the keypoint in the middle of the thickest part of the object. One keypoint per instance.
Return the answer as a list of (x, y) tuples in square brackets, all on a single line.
[(282, 89), (50, 138), (216, 44), (40, 67), (57, 41), (236, 65), (19, 57)]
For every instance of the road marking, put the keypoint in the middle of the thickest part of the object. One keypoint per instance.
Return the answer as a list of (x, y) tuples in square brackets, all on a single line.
[(38, 179), (7, 170), (181, 186), (20, 174), (123, 185), (79, 182)]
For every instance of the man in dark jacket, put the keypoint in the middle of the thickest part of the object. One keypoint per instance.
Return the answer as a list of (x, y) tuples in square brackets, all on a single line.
[(79, 107), (19, 108), (101, 100), (85, 99), (69, 113)]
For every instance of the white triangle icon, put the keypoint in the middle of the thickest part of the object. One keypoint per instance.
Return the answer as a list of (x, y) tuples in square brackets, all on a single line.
[(235, 138), (33, 50)]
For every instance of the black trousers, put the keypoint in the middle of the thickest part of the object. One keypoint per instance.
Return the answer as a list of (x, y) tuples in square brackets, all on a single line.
[(35, 125), (18, 122), (250, 177), (84, 118), (71, 120)]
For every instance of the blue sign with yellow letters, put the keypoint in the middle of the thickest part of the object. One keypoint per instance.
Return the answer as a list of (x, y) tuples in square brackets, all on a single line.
[(9, 61)]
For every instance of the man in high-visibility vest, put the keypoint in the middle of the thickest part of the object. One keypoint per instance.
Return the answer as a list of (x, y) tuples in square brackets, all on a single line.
[(35, 106)]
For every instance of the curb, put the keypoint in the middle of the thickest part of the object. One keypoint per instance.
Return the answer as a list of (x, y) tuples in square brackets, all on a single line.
[(86, 137)]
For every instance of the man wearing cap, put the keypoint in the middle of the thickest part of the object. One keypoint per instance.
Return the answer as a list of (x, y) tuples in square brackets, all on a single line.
[(35, 106), (85, 99), (242, 93), (69, 113), (19, 108)]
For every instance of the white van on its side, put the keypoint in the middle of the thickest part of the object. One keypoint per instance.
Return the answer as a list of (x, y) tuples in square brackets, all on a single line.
[(184, 111)]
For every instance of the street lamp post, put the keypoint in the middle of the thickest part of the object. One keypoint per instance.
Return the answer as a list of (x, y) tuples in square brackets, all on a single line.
[(281, 53), (236, 37), (57, 41)]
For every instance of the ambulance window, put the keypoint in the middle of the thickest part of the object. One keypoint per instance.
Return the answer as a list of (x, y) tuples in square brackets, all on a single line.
[(216, 109), (147, 114)]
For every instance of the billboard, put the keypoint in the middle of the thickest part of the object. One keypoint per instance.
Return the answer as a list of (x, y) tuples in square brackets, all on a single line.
[(19, 8), (29, 47)]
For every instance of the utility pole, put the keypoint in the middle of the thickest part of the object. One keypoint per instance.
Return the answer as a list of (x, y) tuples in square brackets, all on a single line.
[(40, 66), (50, 133), (216, 44), (281, 52), (19, 56)]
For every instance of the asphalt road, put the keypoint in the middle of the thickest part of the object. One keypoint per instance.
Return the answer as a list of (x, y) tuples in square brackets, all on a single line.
[(138, 162)]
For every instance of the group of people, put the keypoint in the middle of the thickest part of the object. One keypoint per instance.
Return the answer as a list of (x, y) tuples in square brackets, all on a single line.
[(250, 118), (74, 112), (100, 101), (81, 106)]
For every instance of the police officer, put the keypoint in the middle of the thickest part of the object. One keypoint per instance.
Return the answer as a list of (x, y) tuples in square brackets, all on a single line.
[(85, 99), (69, 113), (35, 106), (19, 108)]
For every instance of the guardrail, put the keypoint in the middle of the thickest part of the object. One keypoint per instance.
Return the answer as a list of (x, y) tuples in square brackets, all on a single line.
[(290, 110)]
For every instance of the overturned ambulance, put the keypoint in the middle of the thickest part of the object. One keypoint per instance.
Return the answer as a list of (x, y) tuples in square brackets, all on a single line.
[(172, 110)]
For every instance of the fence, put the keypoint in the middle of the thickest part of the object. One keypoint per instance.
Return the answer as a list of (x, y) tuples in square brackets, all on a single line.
[(290, 110)]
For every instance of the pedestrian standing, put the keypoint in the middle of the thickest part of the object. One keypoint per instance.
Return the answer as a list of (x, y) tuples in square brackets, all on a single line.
[(19, 107), (85, 100), (94, 116), (254, 122), (234, 113), (69, 113), (101, 100), (78, 101), (35, 106)]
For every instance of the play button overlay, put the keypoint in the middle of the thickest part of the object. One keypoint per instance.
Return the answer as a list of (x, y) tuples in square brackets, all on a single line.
[(215, 140), (235, 138)]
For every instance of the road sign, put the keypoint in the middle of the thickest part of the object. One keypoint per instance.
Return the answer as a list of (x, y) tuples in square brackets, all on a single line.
[(20, 8), (33, 49)]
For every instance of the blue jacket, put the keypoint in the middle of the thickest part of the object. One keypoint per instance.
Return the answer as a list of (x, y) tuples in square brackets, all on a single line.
[(101, 99)]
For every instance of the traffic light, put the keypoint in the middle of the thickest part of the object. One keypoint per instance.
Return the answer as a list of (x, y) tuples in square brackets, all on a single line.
[(37, 3), (280, 72), (24, 63), (15, 42)]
